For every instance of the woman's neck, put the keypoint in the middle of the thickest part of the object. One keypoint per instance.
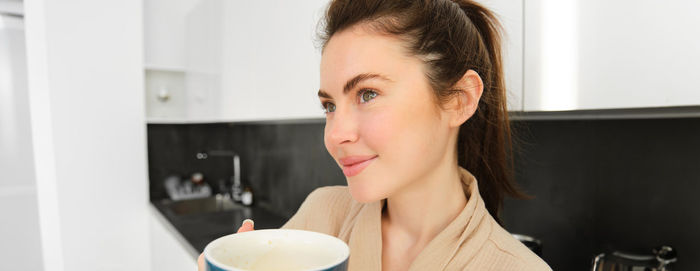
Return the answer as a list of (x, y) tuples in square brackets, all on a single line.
[(423, 209)]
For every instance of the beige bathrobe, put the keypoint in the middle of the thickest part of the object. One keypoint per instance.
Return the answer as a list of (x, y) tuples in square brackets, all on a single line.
[(472, 241)]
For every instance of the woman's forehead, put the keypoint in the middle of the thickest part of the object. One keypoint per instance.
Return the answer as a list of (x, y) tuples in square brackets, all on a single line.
[(356, 51)]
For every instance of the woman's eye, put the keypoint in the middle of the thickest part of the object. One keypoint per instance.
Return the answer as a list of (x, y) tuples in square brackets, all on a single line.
[(328, 107), (367, 95)]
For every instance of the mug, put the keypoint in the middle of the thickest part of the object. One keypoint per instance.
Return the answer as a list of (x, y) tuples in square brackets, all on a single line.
[(277, 249)]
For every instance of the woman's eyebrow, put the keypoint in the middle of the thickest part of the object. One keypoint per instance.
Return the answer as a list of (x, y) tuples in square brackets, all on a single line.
[(350, 84)]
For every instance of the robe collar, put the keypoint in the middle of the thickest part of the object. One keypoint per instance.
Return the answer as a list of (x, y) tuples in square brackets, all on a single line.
[(466, 231)]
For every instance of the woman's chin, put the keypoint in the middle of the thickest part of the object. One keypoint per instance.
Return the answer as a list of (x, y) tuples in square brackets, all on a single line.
[(363, 194)]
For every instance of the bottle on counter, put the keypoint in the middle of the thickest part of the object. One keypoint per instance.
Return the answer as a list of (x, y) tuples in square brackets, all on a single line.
[(197, 179), (247, 196)]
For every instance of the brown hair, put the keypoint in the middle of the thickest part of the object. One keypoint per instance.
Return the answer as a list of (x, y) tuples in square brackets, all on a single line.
[(451, 37)]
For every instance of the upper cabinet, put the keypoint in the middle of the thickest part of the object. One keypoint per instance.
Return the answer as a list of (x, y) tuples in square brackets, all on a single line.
[(217, 60), (164, 34), (599, 54), (222, 61), (510, 15), (270, 60)]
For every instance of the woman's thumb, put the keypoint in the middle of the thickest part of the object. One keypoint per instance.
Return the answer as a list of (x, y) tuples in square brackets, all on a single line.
[(247, 225)]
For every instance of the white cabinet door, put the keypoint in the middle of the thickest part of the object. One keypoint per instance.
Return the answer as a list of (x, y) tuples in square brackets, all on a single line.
[(169, 250), (233, 61), (598, 54), (183, 52), (163, 34), (270, 61), (271, 64), (510, 14)]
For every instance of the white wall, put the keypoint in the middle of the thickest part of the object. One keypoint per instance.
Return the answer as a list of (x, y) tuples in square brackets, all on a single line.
[(20, 247), (88, 131)]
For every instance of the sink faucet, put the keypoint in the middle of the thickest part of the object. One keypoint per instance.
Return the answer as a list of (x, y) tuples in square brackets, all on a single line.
[(236, 189)]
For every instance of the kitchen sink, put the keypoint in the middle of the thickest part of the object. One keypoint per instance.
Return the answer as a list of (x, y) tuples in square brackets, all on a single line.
[(201, 205), (202, 220)]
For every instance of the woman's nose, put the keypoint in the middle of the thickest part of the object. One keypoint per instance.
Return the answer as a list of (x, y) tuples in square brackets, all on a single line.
[(342, 128)]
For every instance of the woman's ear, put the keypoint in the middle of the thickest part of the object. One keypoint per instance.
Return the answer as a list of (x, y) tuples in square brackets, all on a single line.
[(463, 104)]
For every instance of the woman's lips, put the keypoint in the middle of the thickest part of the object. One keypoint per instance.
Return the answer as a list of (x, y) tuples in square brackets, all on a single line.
[(353, 165)]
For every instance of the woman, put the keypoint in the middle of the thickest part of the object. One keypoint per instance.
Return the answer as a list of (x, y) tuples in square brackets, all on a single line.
[(416, 118)]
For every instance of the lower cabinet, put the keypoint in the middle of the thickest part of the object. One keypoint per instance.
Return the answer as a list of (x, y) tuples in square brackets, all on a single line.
[(168, 253)]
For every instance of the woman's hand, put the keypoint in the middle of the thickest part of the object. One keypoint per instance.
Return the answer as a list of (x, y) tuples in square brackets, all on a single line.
[(247, 226)]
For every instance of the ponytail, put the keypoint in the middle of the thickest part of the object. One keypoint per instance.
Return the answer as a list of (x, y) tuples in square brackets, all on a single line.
[(451, 38), (485, 144)]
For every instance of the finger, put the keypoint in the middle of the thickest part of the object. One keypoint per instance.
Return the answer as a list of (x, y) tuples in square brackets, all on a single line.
[(200, 262), (248, 225)]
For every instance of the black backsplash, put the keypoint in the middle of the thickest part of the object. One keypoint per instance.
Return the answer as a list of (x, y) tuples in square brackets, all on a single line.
[(609, 184), (597, 184), (282, 163)]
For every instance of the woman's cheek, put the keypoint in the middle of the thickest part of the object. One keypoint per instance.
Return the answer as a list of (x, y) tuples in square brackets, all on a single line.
[(379, 133)]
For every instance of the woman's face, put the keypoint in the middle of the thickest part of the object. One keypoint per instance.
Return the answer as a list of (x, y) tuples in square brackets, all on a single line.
[(383, 126)]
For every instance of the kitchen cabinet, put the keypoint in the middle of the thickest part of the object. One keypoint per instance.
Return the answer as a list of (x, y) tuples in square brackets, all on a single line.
[(169, 250), (251, 61), (587, 55), (231, 61), (164, 34), (510, 15), (271, 64), (182, 59)]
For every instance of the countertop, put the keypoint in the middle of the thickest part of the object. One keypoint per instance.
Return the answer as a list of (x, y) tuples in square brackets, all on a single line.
[(198, 229)]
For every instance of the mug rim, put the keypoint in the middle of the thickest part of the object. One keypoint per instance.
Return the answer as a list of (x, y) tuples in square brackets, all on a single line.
[(213, 261)]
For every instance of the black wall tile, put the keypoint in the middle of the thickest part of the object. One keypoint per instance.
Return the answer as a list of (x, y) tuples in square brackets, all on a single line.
[(609, 184), (598, 184), (282, 163)]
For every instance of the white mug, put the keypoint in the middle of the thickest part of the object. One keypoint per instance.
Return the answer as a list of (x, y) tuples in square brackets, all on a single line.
[(277, 249)]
